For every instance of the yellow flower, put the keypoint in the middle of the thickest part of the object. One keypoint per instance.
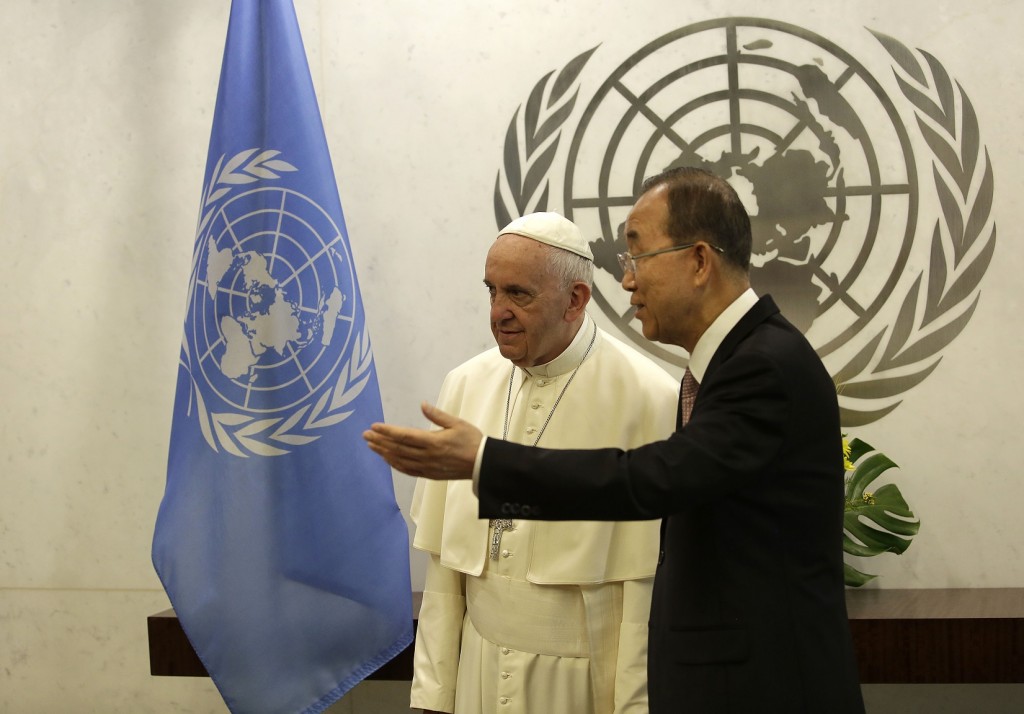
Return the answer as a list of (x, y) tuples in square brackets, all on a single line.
[(846, 455)]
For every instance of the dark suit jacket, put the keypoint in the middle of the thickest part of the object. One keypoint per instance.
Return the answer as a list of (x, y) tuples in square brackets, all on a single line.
[(749, 612)]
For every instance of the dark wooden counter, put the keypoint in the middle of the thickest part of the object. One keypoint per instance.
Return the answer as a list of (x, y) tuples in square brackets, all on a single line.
[(968, 636)]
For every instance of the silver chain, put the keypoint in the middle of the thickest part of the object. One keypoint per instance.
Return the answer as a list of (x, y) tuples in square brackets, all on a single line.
[(501, 525)]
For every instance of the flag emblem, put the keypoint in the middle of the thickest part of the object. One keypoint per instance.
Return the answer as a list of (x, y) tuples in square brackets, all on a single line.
[(269, 337)]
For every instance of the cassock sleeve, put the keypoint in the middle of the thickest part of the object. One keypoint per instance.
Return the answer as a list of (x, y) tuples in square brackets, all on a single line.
[(438, 639), (631, 664)]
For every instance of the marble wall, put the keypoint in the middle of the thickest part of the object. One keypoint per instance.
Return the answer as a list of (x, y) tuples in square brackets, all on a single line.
[(104, 129)]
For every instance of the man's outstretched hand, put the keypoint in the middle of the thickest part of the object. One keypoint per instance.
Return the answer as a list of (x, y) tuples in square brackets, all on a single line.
[(442, 455)]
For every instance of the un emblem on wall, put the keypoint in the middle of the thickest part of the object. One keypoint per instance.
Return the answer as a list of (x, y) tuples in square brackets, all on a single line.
[(878, 268), (270, 338)]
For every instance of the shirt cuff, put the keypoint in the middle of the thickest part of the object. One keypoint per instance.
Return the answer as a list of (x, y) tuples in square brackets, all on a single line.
[(476, 466)]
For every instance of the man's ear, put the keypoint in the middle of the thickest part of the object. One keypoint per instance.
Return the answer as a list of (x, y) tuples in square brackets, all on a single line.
[(579, 297), (703, 256)]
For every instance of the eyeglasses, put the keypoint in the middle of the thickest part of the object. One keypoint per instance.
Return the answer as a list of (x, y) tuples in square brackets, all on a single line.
[(628, 262)]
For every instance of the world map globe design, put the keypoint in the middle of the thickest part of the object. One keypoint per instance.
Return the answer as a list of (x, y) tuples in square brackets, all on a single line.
[(272, 302), (794, 123)]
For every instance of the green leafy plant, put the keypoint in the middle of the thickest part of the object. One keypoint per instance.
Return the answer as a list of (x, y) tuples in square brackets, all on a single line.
[(875, 522)]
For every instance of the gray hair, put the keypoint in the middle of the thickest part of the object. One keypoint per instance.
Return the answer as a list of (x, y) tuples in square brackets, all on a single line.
[(568, 267)]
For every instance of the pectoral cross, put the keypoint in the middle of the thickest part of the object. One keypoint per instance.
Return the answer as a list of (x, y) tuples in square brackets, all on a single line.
[(500, 525)]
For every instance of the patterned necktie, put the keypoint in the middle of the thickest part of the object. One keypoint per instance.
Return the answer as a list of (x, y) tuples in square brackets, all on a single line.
[(688, 394)]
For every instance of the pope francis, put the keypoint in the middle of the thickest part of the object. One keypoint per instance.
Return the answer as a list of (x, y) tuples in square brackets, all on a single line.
[(532, 616)]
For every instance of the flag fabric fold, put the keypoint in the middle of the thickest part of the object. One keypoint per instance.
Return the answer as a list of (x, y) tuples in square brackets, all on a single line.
[(278, 539)]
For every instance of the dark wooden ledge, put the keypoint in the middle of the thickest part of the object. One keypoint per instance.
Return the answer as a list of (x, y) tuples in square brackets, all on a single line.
[(966, 636), (171, 654)]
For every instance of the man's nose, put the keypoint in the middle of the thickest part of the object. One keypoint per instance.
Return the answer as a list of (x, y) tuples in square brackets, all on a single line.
[(628, 281), (499, 310)]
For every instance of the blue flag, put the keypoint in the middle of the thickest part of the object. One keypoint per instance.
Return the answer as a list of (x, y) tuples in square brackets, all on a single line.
[(278, 540)]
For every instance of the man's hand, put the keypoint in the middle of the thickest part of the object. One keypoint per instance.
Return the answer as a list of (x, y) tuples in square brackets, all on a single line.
[(445, 455)]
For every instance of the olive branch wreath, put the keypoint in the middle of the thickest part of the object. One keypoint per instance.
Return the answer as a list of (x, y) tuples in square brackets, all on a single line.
[(240, 434), (950, 129), (961, 250), (541, 122)]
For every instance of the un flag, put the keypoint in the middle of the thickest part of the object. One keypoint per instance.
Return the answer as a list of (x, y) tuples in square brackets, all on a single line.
[(278, 539)]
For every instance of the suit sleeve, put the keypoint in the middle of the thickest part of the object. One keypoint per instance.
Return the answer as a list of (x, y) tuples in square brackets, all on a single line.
[(736, 430), (438, 639)]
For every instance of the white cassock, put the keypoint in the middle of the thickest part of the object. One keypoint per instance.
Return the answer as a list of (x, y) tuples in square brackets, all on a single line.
[(558, 622)]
